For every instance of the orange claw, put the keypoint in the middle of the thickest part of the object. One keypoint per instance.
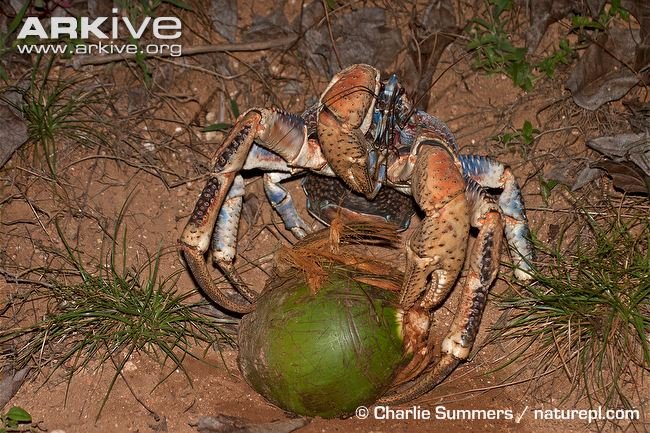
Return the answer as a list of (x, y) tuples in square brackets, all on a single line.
[(343, 121)]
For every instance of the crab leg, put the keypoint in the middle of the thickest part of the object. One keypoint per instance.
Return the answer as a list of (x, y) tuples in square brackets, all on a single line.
[(484, 264), (285, 136), (493, 174), (282, 202), (195, 239), (224, 237), (483, 268), (278, 196)]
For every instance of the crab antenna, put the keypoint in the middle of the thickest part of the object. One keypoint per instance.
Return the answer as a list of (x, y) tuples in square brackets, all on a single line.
[(419, 99)]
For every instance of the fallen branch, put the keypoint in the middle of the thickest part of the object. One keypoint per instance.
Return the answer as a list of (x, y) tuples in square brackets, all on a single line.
[(81, 61)]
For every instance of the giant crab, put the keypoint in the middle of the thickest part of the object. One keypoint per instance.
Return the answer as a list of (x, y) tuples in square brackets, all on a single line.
[(366, 132)]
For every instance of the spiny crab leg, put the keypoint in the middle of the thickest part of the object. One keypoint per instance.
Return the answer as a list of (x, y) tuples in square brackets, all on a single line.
[(266, 139), (195, 239), (493, 174), (456, 346)]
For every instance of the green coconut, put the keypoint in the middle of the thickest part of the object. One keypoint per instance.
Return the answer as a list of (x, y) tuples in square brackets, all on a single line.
[(323, 353)]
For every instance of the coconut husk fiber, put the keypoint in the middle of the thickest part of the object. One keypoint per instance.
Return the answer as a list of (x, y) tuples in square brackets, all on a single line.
[(368, 250)]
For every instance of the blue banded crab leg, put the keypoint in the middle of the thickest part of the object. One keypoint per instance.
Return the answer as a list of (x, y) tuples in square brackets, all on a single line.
[(283, 134), (493, 174), (282, 202), (483, 267), (224, 237), (225, 230), (195, 238), (278, 195)]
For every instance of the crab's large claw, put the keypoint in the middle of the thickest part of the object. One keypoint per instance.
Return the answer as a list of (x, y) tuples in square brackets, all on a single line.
[(436, 250), (343, 121), (436, 253)]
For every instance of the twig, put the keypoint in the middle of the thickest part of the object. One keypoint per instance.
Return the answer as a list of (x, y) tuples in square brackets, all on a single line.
[(204, 70), (329, 29), (17, 279), (202, 49)]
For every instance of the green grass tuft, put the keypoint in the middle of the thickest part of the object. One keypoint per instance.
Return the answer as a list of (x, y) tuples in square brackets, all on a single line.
[(59, 109), (587, 312), (109, 315)]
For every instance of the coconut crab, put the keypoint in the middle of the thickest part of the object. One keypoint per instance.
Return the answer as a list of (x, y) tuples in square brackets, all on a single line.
[(365, 132)]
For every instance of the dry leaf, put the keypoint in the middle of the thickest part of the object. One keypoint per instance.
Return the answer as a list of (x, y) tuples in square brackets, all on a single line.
[(585, 177), (10, 383), (626, 176), (640, 9), (629, 164), (634, 148), (224, 18), (273, 25), (639, 118), (575, 173), (602, 74)]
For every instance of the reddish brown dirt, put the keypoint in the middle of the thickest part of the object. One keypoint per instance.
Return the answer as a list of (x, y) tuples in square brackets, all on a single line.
[(476, 106)]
